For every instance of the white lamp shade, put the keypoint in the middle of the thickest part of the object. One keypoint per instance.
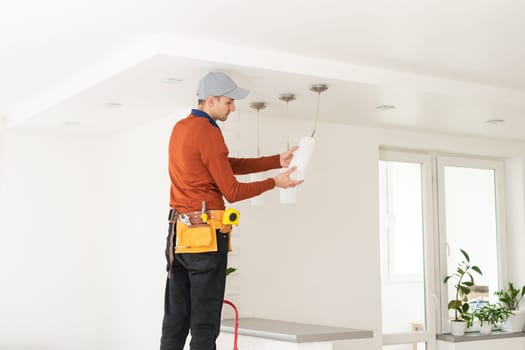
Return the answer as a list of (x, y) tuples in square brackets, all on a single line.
[(288, 195), (301, 157)]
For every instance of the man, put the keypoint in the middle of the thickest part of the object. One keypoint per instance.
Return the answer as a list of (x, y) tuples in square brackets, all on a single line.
[(202, 175)]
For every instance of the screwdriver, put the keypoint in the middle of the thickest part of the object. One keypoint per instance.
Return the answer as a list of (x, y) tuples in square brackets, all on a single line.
[(204, 216)]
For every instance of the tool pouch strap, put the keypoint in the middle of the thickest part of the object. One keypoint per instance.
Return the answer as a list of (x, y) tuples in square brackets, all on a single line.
[(171, 239)]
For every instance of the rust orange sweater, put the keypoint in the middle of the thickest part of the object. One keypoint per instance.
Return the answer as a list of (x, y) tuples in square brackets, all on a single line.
[(200, 169)]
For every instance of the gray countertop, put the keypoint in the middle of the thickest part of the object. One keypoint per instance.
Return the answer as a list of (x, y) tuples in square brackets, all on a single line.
[(292, 331), (475, 336)]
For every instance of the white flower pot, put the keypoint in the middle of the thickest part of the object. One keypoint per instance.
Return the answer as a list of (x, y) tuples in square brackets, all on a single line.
[(458, 327), (486, 329), (515, 322)]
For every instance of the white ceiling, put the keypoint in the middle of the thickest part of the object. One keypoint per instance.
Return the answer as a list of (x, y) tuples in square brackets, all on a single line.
[(447, 66)]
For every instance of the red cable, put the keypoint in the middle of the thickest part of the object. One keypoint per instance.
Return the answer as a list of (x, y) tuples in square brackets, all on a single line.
[(236, 327)]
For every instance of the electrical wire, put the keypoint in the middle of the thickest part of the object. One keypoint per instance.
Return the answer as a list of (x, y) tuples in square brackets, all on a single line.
[(258, 134), (316, 113)]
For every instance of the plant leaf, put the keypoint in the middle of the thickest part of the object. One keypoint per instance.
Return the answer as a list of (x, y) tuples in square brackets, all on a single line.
[(464, 307), (454, 304), (477, 269), (465, 255), (464, 290), (230, 270)]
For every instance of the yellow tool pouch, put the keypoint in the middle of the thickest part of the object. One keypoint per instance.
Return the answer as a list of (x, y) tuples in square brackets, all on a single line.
[(198, 238)]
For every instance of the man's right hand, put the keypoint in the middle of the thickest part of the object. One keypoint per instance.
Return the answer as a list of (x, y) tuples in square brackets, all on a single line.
[(283, 179)]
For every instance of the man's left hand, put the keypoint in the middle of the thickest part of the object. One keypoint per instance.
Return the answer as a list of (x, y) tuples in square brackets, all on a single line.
[(287, 156)]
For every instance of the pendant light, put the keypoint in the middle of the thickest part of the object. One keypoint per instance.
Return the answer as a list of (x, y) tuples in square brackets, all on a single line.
[(287, 195), (287, 98), (302, 156), (258, 200)]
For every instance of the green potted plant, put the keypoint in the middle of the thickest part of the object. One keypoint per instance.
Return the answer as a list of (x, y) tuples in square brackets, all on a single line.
[(464, 280), (511, 298), (490, 316)]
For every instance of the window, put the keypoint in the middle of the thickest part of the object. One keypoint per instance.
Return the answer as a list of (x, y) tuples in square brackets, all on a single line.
[(402, 221), (470, 219), (430, 207), (406, 250)]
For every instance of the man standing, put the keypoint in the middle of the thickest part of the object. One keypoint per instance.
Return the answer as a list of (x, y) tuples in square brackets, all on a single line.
[(202, 175)]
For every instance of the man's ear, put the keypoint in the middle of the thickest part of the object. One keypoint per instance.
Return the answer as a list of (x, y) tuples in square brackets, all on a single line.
[(210, 101)]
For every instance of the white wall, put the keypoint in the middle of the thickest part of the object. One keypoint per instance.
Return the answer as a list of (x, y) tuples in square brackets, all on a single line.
[(54, 227), (141, 184), (318, 260), (315, 261)]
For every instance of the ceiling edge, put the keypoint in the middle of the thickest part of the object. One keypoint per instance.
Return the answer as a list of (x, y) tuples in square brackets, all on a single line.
[(100, 71)]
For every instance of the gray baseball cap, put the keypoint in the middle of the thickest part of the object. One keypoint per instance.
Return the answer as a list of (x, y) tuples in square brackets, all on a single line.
[(219, 84)]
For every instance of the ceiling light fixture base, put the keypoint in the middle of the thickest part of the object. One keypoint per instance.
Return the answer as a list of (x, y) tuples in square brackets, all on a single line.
[(319, 88), (287, 97), (258, 105)]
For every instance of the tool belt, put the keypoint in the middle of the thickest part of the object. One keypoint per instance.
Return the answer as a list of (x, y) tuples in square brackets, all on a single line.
[(196, 236)]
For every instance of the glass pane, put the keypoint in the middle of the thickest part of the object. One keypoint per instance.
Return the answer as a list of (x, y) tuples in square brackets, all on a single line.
[(403, 288), (470, 214), (413, 346)]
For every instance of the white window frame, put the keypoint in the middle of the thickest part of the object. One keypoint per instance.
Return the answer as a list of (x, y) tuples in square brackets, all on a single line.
[(479, 163), (427, 336), (435, 248)]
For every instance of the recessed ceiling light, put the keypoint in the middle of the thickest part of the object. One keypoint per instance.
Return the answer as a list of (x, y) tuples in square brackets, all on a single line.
[(114, 105), (385, 107), (71, 122), (495, 121), (172, 80)]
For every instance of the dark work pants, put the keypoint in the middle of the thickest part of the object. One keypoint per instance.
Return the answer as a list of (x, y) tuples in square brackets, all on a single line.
[(193, 298)]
